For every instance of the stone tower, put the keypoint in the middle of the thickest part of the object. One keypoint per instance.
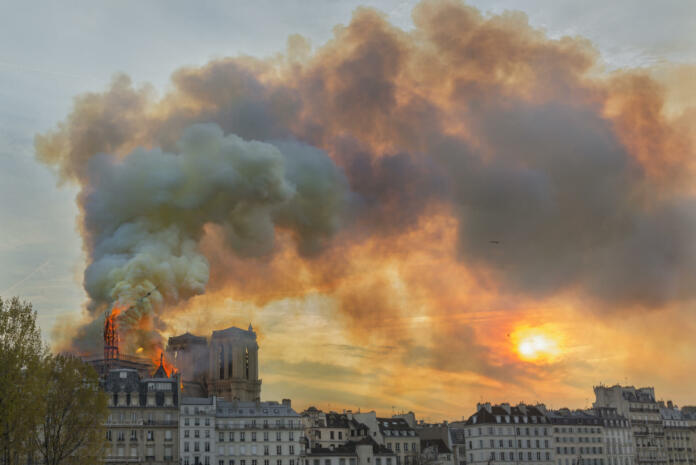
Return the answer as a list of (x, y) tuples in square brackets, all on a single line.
[(227, 366)]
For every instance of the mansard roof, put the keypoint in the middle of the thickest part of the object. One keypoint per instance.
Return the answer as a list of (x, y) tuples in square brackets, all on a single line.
[(438, 444), (395, 426), (566, 416), (336, 420), (349, 448), (483, 415)]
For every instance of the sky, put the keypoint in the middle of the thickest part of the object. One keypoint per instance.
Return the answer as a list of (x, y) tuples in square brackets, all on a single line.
[(390, 278)]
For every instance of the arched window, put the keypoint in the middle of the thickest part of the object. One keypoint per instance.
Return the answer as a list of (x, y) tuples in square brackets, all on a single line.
[(246, 362), (221, 362)]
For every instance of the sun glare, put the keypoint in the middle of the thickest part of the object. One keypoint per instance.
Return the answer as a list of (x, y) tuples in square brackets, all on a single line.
[(535, 345)]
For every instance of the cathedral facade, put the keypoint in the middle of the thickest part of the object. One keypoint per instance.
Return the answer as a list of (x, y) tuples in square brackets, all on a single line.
[(226, 366)]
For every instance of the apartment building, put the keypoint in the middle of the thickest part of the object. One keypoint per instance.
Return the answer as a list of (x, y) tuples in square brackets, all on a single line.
[(643, 412), (400, 438), (219, 432), (578, 437), (618, 437), (509, 434), (436, 452), (330, 430), (365, 451), (143, 417), (678, 435)]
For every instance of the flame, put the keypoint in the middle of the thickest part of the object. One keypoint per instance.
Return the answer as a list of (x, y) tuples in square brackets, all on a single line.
[(161, 358), (116, 311), (139, 350)]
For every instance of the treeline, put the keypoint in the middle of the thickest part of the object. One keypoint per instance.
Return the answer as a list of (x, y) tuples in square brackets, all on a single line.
[(52, 409)]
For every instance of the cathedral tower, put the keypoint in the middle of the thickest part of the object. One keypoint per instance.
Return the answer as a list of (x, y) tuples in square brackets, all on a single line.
[(227, 367)]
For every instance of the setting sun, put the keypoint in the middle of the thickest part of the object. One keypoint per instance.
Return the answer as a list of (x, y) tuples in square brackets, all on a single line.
[(535, 344)]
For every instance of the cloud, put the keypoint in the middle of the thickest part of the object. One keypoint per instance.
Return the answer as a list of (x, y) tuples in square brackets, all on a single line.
[(418, 178)]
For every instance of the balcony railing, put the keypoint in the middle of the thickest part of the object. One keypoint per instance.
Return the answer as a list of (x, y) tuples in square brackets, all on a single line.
[(251, 426), (160, 422)]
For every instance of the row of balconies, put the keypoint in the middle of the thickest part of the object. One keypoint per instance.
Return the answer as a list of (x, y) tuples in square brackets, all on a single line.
[(141, 422), (132, 439), (250, 426)]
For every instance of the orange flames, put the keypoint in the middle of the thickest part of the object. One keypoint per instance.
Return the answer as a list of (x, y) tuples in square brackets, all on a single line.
[(159, 357)]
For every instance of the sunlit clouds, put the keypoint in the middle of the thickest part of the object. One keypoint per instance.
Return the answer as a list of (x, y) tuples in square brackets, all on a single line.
[(409, 218)]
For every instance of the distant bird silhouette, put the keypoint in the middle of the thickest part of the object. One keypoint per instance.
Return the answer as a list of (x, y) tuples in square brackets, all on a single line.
[(494, 242)]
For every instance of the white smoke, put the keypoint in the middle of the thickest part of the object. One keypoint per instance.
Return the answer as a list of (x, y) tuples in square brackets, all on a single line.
[(145, 213)]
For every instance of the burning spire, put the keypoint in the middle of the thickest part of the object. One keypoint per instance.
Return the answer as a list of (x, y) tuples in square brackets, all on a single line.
[(111, 335)]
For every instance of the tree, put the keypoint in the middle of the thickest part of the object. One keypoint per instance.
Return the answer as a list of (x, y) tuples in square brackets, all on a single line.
[(22, 355), (75, 409), (51, 406)]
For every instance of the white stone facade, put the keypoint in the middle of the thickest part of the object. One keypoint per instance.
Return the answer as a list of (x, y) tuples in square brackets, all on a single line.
[(506, 434), (214, 431)]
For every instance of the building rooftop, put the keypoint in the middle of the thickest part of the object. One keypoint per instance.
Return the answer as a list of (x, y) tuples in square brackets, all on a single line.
[(395, 427), (349, 448), (505, 413), (336, 420), (237, 332), (566, 416), (438, 444)]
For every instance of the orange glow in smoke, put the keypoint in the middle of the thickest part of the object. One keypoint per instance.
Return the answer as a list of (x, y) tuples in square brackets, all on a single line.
[(538, 344)]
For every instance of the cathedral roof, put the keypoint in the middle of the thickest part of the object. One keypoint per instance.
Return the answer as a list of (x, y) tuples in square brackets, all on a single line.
[(161, 372), (237, 332), (187, 337)]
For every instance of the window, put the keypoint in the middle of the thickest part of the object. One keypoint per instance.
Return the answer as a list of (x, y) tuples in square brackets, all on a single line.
[(196, 433), (207, 446), (265, 435), (121, 436), (265, 450), (186, 447), (279, 450), (331, 435), (150, 435), (241, 436)]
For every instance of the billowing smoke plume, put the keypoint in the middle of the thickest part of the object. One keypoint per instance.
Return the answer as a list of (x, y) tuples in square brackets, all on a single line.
[(558, 176), (145, 213)]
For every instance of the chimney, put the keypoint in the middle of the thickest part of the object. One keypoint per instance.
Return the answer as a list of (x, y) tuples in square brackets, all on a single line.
[(286, 403), (486, 406)]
